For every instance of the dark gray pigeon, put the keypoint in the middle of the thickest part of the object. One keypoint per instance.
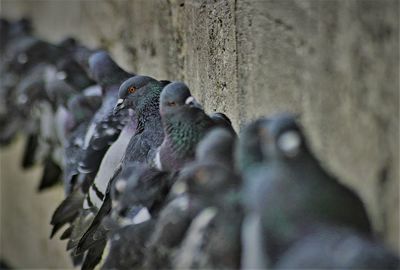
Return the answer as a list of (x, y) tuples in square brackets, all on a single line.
[(32, 101), (248, 153), (137, 197), (103, 130), (184, 123), (109, 165), (49, 87), (141, 94), (25, 55), (188, 198), (169, 231), (80, 110), (290, 192), (144, 115), (139, 188), (213, 239), (105, 127), (30, 51)]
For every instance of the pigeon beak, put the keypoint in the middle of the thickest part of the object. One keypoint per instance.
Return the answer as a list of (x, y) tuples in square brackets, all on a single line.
[(120, 105), (192, 102)]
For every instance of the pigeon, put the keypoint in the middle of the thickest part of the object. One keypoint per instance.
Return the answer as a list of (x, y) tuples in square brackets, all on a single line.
[(184, 123), (26, 57), (10, 32), (337, 248), (80, 111), (65, 81), (105, 127), (103, 130), (248, 152), (34, 104), (212, 180), (31, 93), (141, 94), (289, 192), (183, 206), (248, 155), (81, 108), (73, 74), (30, 51), (140, 188), (61, 81), (63, 84), (108, 165), (169, 231), (217, 147), (137, 197)]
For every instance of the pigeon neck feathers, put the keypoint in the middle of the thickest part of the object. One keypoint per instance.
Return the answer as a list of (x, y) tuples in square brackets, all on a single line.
[(147, 110), (183, 130)]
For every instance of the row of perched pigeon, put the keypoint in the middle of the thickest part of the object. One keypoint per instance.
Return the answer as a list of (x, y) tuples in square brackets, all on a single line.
[(153, 181)]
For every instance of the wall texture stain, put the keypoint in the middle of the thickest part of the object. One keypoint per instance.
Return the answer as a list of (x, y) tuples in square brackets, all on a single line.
[(334, 62)]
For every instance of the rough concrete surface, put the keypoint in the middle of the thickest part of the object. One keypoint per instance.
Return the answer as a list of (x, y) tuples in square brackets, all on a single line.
[(334, 62)]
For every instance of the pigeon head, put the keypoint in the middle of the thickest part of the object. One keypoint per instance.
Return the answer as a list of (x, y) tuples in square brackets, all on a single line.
[(16, 28), (175, 96), (248, 150), (137, 92), (282, 138), (70, 71), (31, 51), (216, 147), (184, 124), (81, 55), (208, 182), (30, 90), (21, 27), (69, 43), (104, 70), (57, 88)]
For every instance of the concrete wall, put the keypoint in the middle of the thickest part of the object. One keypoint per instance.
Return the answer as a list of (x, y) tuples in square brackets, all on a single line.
[(335, 62)]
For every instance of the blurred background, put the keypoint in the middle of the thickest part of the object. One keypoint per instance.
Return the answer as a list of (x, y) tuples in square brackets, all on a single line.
[(334, 62)]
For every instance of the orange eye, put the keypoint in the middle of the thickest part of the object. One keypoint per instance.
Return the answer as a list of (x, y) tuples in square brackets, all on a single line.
[(172, 103), (131, 90)]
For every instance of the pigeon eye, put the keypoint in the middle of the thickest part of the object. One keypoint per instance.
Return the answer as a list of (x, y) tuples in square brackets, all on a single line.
[(131, 89), (289, 143), (172, 103)]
